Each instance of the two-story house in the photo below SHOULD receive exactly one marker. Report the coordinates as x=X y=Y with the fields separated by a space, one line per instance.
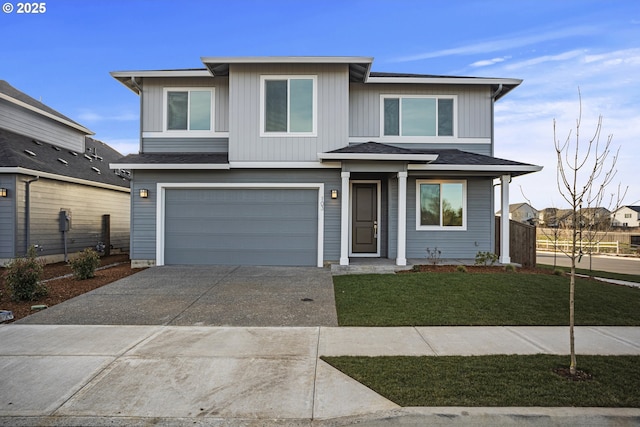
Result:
x=626 y=216
x=56 y=189
x=313 y=160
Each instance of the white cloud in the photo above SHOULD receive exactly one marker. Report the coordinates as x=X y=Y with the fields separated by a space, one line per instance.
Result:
x=90 y=116
x=488 y=62
x=124 y=146
x=545 y=58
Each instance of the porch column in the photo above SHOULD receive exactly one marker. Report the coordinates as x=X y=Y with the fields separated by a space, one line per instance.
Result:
x=504 y=219
x=402 y=219
x=344 y=220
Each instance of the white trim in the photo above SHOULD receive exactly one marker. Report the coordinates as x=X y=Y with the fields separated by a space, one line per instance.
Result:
x=443 y=139
x=47 y=175
x=378 y=156
x=476 y=168
x=170 y=166
x=420 y=227
x=285 y=165
x=186 y=133
x=191 y=134
x=203 y=72
x=161 y=204
x=46 y=114
x=379 y=208
x=401 y=256
x=504 y=220
x=285 y=59
x=344 y=218
x=418 y=140
x=263 y=100
x=445 y=80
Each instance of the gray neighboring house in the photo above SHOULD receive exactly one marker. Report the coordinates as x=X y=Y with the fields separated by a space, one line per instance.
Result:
x=311 y=161
x=49 y=165
x=522 y=212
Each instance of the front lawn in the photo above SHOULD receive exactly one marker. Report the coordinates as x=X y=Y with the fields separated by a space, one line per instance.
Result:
x=496 y=380
x=480 y=299
x=596 y=273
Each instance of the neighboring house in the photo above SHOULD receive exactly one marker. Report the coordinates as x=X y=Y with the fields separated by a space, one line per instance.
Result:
x=626 y=216
x=554 y=217
x=49 y=165
x=522 y=212
x=313 y=160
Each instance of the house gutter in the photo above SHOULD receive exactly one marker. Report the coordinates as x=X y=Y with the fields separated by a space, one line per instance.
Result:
x=135 y=84
x=28 y=213
x=493 y=119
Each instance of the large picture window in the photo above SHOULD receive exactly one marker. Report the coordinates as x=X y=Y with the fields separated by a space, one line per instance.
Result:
x=417 y=116
x=188 y=109
x=441 y=205
x=288 y=105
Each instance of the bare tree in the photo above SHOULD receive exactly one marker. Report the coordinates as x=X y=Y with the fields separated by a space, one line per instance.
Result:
x=583 y=173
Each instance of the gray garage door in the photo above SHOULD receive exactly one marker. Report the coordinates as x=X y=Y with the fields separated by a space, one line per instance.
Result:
x=241 y=226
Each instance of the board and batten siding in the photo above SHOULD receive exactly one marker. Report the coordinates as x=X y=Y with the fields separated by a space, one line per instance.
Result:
x=143 y=223
x=25 y=122
x=473 y=112
x=479 y=235
x=8 y=217
x=245 y=142
x=87 y=205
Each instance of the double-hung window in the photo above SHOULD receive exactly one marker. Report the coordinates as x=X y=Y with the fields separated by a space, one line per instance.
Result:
x=417 y=116
x=288 y=105
x=441 y=205
x=188 y=109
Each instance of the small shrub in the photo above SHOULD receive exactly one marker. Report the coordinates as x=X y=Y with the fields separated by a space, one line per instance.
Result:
x=84 y=266
x=461 y=269
x=23 y=275
x=558 y=272
x=510 y=268
x=433 y=255
x=486 y=258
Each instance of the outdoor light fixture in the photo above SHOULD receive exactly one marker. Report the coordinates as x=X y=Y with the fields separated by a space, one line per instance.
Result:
x=144 y=193
x=334 y=194
x=3 y=192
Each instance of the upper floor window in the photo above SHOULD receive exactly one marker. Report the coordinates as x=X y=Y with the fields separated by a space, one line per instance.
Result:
x=418 y=115
x=288 y=106
x=188 y=109
x=441 y=205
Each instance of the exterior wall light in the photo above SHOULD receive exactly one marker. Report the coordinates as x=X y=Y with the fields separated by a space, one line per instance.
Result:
x=3 y=192
x=144 y=193
x=334 y=194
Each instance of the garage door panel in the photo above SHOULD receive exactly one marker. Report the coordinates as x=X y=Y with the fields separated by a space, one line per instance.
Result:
x=241 y=226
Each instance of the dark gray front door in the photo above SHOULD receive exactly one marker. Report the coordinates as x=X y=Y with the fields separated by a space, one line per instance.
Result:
x=364 y=216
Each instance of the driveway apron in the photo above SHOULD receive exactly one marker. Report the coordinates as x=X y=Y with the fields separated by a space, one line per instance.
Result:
x=204 y=296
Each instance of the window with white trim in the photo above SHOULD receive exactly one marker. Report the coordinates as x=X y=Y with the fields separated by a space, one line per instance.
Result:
x=441 y=205
x=188 y=109
x=417 y=116
x=288 y=105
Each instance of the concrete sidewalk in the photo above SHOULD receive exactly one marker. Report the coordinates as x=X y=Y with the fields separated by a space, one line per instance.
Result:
x=253 y=376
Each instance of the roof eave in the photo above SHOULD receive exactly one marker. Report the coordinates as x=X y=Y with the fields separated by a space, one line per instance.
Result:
x=378 y=156
x=127 y=77
x=170 y=166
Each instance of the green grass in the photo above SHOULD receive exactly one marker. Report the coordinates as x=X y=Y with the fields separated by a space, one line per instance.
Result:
x=436 y=299
x=596 y=273
x=496 y=380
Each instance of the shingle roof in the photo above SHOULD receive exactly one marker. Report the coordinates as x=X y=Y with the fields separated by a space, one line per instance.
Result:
x=174 y=158
x=14 y=93
x=24 y=152
x=445 y=156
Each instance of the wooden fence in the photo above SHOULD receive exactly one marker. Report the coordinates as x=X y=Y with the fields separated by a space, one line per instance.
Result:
x=522 y=243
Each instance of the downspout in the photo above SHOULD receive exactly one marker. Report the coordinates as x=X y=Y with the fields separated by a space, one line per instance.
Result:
x=493 y=101
x=139 y=88
x=28 y=213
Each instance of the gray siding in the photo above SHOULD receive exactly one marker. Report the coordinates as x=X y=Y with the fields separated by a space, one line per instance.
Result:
x=33 y=125
x=185 y=145
x=245 y=143
x=87 y=205
x=8 y=217
x=455 y=244
x=152 y=100
x=143 y=223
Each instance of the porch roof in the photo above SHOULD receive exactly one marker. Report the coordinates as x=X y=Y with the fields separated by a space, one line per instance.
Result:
x=445 y=160
x=173 y=161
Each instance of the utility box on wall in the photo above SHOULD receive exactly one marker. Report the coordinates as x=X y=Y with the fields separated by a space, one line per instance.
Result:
x=64 y=219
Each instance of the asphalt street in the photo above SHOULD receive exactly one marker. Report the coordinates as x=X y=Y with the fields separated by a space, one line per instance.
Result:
x=614 y=264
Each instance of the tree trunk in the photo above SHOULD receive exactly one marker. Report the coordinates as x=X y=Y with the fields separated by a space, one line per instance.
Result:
x=572 y=345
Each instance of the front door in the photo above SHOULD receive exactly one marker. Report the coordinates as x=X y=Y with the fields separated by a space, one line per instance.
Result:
x=364 y=218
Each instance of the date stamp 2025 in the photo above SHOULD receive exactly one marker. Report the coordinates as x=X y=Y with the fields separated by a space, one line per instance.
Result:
x=33 y=8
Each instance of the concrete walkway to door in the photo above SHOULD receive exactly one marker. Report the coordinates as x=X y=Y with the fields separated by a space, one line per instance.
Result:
x=204 y=296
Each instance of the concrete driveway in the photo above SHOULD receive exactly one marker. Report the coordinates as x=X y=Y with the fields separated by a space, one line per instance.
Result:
x=204 y=296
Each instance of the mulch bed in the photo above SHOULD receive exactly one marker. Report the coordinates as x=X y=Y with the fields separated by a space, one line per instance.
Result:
x=62 y=289
x=441 y=268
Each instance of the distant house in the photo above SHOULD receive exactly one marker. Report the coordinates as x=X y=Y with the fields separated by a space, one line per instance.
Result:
x=54 y=177
x=626 y=216
x=522 y=212
x=554 y=217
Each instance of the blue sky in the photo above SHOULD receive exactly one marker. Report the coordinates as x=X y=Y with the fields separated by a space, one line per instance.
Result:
x=64 y=57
